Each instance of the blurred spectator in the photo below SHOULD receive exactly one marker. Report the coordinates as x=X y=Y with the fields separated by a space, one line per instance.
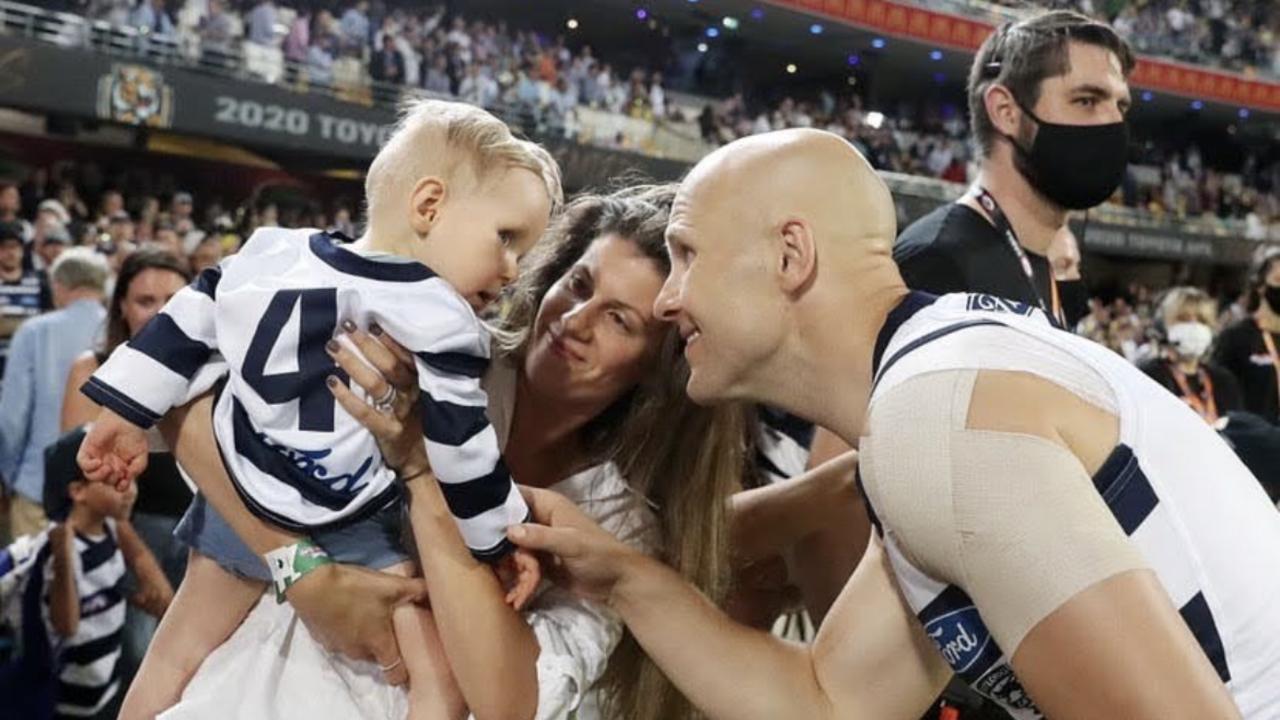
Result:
x=151 y=18
x=180 y=208
x=320 y=61
x=120 y=228
x=388 y=64
x=207 y=253
x=261 y=23
x=24 y=292
x=1186 y=318
x=355 y=26
x=1250 y=349
x=11 y=206
x=40 y=357
x=50 y=239
x=217 y=32
x=166 y=238
x=110 y=204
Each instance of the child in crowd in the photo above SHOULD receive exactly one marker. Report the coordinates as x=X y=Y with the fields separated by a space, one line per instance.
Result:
x=63 y=590
x=454 y=200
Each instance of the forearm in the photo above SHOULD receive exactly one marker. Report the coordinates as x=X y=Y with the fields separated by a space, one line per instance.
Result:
x=824 y=560
x=492 y=651
x=767 y=521
x=64 y=599
x=726 y=669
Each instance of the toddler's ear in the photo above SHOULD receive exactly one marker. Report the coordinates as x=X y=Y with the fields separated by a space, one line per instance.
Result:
x=428 y=196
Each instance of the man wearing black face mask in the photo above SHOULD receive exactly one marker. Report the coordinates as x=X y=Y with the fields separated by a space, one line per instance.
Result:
x=1047 y=103
x=1250 y=348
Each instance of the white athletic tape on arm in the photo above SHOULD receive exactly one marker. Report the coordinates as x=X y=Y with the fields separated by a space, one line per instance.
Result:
x=1012 y=519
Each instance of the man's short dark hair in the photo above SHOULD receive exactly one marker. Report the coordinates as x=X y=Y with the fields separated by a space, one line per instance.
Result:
x=1020 y=55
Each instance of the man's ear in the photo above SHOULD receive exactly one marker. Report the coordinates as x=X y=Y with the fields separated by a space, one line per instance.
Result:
x=428 y=197
x=1002 y=109
x=798 y=260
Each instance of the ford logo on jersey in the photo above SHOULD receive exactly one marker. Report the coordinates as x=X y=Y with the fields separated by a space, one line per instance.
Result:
x=960 y=635
x=309 y=462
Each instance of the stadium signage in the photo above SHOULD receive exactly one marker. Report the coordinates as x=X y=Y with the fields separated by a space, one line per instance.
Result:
x=280 y=119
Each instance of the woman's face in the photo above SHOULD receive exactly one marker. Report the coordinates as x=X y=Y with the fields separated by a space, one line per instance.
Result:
x=148 y=292
x=595 y=334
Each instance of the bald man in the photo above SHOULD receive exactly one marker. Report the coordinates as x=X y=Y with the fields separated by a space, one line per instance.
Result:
x=1052 y=526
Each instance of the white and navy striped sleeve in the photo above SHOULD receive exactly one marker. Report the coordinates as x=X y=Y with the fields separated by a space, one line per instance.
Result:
x=150 y=374
x=452 y=354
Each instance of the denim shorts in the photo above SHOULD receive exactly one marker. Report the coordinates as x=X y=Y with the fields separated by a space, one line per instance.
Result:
x=373 y=542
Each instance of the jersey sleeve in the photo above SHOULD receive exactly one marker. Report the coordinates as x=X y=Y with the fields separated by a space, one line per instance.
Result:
x=150 y=374
x=451 y=351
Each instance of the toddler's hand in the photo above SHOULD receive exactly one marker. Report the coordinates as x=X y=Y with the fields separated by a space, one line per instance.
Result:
x=114 y=451
x=519 y=572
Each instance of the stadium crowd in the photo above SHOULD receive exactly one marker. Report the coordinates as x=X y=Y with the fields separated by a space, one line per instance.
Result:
x=543 y=81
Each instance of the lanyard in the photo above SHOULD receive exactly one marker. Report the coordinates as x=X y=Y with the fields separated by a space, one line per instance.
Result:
x=1003 y=227
x=1271 y=350
x=1205 y=404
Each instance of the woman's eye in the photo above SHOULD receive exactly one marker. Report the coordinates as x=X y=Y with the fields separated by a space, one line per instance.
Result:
x=619 y=320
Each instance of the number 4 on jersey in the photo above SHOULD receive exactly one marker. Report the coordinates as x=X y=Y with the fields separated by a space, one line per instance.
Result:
x=318 y=318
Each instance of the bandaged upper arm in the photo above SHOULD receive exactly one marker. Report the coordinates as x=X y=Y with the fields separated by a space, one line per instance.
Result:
x=1013 y=519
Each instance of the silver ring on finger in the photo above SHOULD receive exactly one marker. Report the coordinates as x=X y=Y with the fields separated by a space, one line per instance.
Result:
x=387 y=402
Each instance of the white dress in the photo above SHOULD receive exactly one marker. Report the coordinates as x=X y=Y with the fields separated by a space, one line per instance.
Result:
x=271 y=667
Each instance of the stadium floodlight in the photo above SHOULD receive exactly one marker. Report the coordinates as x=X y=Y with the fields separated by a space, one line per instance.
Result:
x=815 y=29
x=572 y=24
x=878 y=43
x=713 y=32
x=875 y=119
x=702 y=47
x=791 y=68
x=642 y=14
x=1197 y=104
x=853 y=59
x=1147 y=96
x=1243 y=113
x=935 y=55
x=730 y=23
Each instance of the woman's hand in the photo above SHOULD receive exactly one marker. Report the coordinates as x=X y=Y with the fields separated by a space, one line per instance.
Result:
x=381 y=367
x=348 y=610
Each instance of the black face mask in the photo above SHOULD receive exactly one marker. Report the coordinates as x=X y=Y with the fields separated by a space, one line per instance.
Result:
x=1272 y=296
x=1075 y=166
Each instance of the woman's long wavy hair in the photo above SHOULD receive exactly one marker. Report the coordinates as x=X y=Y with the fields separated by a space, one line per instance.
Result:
x=684 y=459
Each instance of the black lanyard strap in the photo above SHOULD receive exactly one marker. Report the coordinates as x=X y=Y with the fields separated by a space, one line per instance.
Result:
x=1003 y=227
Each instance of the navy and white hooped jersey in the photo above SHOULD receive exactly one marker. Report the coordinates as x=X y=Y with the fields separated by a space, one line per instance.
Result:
x=297 y=458
x=782 y=445
x=1195 y=513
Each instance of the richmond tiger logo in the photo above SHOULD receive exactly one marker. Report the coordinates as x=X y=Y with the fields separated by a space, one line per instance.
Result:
x=135 y=95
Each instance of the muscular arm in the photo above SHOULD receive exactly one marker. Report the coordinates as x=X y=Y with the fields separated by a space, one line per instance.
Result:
x=870 y=659
x=1117 y=648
